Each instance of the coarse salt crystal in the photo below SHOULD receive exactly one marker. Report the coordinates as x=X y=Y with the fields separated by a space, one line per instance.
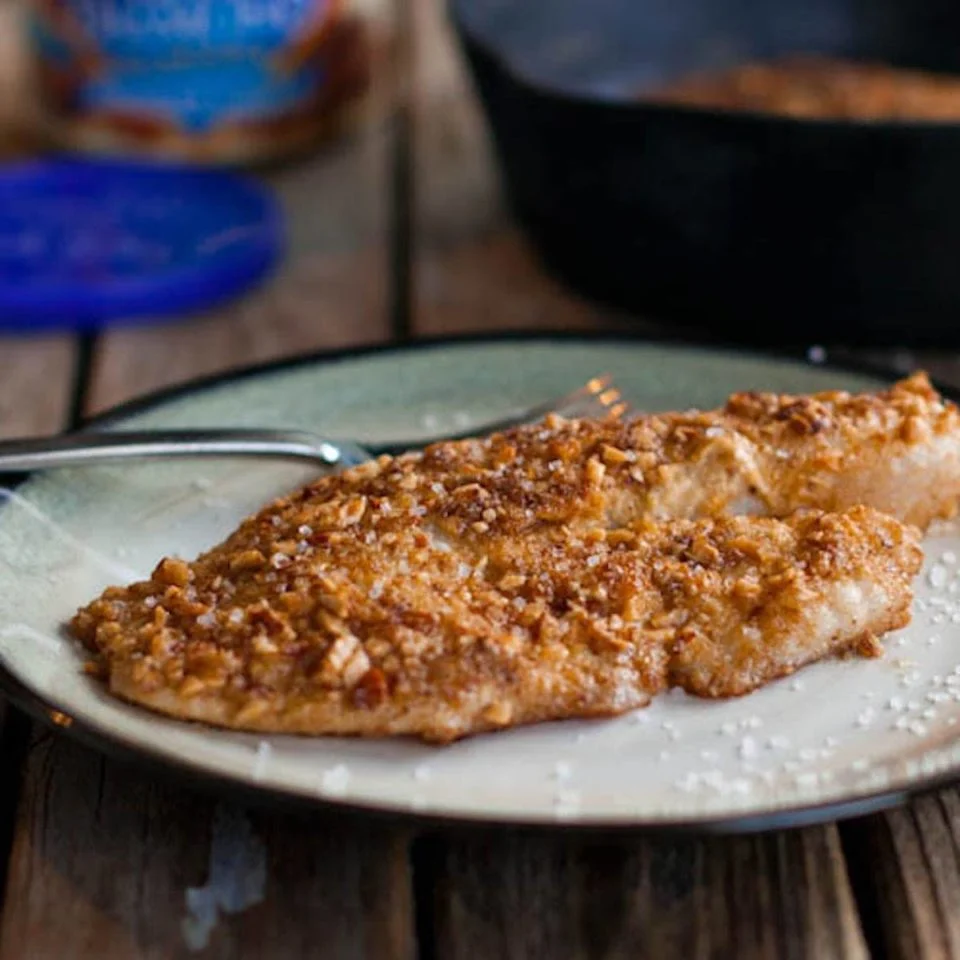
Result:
x=335 y=780
x=937 y=577
x=264 y=752
x=562 y=770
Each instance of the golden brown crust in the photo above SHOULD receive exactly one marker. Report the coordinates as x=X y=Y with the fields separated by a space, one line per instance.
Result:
x=534 y=576
x=531 y=576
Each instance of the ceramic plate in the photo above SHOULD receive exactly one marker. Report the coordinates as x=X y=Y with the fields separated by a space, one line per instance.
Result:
x=839 y=737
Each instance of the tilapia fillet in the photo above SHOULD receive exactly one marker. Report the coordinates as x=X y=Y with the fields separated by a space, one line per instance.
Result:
x=560 y=570
x=768 y=454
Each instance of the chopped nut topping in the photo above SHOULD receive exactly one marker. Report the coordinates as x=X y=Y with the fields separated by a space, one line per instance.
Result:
x=571 y=568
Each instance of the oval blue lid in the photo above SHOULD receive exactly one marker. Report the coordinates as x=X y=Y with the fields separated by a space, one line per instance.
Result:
x=84 y=244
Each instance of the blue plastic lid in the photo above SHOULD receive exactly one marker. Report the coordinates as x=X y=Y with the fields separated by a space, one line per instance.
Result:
x=86 y=244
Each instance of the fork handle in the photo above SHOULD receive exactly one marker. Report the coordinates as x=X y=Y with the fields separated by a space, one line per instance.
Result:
x=85 y=449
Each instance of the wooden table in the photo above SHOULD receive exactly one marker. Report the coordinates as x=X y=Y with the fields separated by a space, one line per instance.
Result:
x=399 y=231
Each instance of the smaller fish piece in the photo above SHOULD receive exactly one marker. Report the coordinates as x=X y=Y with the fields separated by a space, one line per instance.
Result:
x=412 y=634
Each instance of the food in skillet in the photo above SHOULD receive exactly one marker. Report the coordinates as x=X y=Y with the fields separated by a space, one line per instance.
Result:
x=819 y=87
x=567 y=569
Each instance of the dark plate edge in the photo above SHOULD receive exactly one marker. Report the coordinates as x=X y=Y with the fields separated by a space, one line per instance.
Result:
x=789 y=818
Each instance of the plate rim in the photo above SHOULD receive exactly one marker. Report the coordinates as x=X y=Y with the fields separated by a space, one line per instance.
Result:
x=184 y=771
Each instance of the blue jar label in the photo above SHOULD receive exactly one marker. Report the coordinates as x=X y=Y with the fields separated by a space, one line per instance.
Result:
x=183 y=65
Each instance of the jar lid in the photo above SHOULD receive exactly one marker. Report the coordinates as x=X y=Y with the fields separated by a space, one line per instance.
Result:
x=87 y=244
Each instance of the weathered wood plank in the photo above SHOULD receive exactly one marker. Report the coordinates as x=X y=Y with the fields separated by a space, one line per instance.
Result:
x=110 y=862
x=35 y=383
x=520 y=896
x=906 y=864
x=114 y=864
x=471 y=269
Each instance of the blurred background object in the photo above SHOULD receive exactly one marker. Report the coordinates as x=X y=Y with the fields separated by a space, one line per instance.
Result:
x=19 y=100
x=220 y=81
x=760 y=216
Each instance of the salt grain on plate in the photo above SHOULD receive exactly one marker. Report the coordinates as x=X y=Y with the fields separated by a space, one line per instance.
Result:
x=562 y=770
x=566 y=802
x=335 y=780
x=264 y=752
x=866 y=717
x=937 y=577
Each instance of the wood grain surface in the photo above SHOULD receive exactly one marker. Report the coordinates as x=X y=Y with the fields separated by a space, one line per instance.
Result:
x=402 y=225
x=525 y=896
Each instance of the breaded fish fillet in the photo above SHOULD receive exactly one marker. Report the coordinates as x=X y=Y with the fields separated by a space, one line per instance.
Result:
x=898 y=451
x=474 y=588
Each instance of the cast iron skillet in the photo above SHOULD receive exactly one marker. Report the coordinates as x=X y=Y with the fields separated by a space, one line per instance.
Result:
x=755 y=227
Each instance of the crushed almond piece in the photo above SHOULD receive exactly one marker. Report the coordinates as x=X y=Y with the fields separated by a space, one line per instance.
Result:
x=569 y=568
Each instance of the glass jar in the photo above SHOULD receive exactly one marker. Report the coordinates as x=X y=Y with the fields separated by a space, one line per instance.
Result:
x=207 y=81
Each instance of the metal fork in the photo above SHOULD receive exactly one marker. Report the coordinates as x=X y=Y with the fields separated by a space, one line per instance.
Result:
x=595 y=398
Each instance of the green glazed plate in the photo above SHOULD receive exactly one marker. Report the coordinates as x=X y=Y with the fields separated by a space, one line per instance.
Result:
x=839 y=738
